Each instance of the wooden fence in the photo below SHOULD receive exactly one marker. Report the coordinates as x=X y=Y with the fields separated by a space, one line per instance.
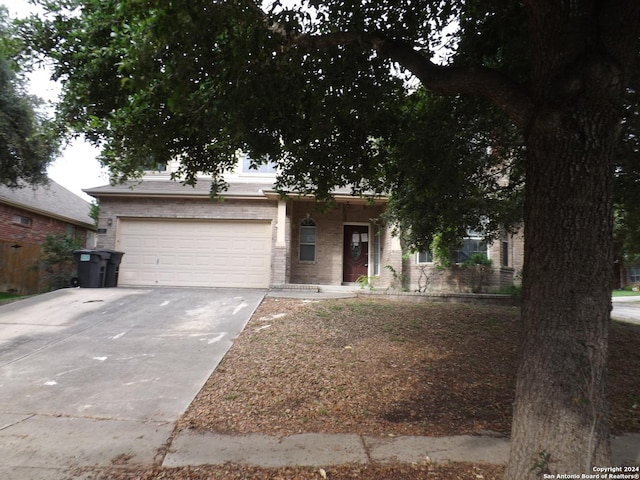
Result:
x=18 y=268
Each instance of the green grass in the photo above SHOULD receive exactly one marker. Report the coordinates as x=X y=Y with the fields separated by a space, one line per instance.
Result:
x=8 y=296
x=624 y=293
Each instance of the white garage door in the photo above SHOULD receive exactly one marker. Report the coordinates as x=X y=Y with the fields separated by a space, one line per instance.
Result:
x=193 y=253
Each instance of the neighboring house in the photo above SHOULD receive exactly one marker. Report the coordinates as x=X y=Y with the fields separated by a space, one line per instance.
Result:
x=175 y=235
x=27 y=216
x=626 y=275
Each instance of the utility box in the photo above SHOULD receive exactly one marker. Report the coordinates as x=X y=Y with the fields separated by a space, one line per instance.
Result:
x=113 y=267
x=92 y=267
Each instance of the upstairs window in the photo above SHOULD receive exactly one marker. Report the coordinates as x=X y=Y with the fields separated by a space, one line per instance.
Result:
x=267 y=168
x=307 y=240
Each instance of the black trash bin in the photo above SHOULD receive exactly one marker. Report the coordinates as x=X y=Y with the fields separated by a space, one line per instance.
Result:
x=92 y=267
x=113 y=267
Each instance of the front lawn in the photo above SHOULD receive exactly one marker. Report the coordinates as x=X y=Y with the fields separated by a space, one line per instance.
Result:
x=379 y=367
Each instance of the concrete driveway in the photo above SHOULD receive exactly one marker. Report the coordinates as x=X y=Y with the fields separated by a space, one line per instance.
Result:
x=99 y=376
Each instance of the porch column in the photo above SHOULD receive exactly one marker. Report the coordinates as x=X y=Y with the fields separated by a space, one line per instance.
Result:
x=282 y=224
x=279 y=266
x=394 y=258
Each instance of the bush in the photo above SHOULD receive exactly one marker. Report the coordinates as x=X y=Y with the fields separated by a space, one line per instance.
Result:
x=478 y=259
x=57 y=261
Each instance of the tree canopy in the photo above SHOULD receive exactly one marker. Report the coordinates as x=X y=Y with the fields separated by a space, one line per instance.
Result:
x=151 y=82
x=340 y=93
x=26 y=146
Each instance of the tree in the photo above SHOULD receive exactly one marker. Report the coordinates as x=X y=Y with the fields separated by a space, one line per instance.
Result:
x=323 y=88
x=25 y=146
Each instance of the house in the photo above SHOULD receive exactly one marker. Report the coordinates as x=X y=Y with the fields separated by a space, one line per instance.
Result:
x=176 y=235
x=27 y=215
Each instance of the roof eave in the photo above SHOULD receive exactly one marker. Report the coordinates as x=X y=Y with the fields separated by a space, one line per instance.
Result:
x=338 y=197
x=235 y=196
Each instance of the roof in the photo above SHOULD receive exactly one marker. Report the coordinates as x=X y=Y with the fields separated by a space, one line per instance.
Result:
x=163 y=188
x=238 y=188
x=51 y=200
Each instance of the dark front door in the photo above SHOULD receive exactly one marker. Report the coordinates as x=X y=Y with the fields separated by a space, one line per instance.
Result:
x=356 y=252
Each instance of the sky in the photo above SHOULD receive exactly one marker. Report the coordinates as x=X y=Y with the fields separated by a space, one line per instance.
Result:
x=77 y=167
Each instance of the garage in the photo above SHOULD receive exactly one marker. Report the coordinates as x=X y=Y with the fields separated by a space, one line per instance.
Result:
x=194 y=253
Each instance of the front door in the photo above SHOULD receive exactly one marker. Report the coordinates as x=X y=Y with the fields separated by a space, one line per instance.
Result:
x=356 y=252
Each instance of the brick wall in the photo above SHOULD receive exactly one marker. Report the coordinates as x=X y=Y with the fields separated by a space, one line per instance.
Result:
x=460 y=279
x=37 y=231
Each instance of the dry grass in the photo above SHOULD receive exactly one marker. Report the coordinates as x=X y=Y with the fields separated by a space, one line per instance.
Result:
x=341 y=472
x=371 y=367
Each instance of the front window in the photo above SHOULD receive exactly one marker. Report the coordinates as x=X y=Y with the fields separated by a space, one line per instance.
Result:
x=470 y=245
x=634 y=274
x=425 y=257
x=307 y=240
x=504 y=252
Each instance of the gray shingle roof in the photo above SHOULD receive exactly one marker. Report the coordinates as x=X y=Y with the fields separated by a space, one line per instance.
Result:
x=52 y=200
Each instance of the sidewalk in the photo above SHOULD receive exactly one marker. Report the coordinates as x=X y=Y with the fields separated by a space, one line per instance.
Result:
x=311 y=449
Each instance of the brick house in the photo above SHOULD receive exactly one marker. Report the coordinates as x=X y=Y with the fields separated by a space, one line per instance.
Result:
x=27 y=216
x=176 y=235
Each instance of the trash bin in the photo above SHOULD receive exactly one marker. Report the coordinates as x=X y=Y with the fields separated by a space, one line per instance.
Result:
x=92 y=267
x=113 y=267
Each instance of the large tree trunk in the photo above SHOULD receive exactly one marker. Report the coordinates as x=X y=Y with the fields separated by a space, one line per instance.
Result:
x=560 y=417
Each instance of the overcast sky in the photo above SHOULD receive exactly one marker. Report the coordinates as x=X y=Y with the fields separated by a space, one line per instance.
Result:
x=77 y=168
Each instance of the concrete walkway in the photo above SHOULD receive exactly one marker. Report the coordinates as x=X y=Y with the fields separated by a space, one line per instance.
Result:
x=321 y=450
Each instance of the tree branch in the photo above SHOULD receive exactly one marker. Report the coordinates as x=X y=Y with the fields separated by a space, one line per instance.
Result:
x=496 y=87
